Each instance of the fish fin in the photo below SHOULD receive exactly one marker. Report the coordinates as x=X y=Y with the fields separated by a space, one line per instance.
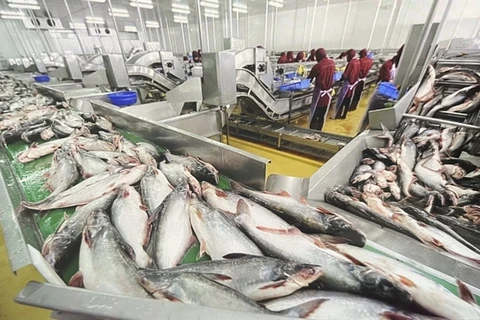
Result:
x=437 y=242
x=202 y=250
x=237 y=256
x=147 y=235
x=34 y=145
x=291 y=230
x=128 y=250
x=304 y=310
x=303 y=200
x=218 y=277
x=353 y=259
x=221 y=193
x=143 y=208
x=318 y=242
x=46 y=175
x=153 y=216
x=392 y=315
x=76 y=280
x=406 y=281
x=465 y=293
x=283 y=193
x=326 y=238
x=274 y=285
x=199 y=214
x=324 y=211
x=87 y=237
x=242 y=207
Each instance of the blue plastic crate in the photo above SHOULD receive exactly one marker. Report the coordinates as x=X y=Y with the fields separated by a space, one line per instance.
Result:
x=337 y=75
x=300 y=85
x=388 y=90
x=41 y=78
x=290 y=75
x=123 y=98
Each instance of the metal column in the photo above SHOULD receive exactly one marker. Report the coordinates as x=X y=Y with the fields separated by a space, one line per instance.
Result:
x=311 y=26
x=374 y=23
x=346 y=23
x=161 y=28
x=390 y=19
x=96 y=26
x=190 y=47
x=266 y=22
x=183 y=39
x=230 y=18
x=200 y=31
x=306 y=22
x=144 y=30
x=214 y=35
x=116 y=30
x=13 y=39
x=75 y=28
x=324 y=20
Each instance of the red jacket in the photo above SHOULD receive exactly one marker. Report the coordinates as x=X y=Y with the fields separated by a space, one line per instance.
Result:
x=365 y=65
x=385 y=71
x=323 y=73
x=352 y=74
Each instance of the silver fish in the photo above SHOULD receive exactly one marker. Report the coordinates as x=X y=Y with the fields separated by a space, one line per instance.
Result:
x=33 y=133
x=338 y=274
x=218 y=235
x=145 y=156
x=60 y=245
x=124 y=145
x=130 y=218
x=469 y=106
x=36 y=150
x=428 y=170
x=305 y=217
x=105 y=264
x=197 y=289
x=454 y=99
x=425 y=91
x=408 y=153
x=457 y=142
x=64 y=173
x=155 y=188
x=93 y=144
x=89 y=190
x=341 y=305
x=73 y=119
x=386 y=135
x=47 y=134
x=104 y=124
x=259 y=278
x=446 y=138
x=177 y=174
x=425 y=292
x=169 y=248
x=61 y=129
x=89 y=164
x=456 y=172
x=431 y=104
x=200 y=169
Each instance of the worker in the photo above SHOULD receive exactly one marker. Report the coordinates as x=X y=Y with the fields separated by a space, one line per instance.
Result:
x=195 y=56
x=365 y=66
x=290 y=57
x=283 y=58
x=342 y=55
x=300 y=57
x=199 y=55
x=350 y=79
x=312 y=55
x=387 y=71
x=322 y=72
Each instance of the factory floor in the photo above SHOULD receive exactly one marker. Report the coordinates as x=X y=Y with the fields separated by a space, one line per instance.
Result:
x=282 y=162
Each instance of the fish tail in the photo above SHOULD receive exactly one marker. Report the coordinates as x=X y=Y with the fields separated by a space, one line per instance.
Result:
x=304 y=310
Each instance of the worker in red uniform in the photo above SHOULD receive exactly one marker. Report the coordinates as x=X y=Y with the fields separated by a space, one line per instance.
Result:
x=350 y=79
x=290 y=57
x=322 y=72
x=365 y=66
x=300 y=57
x=312 y=55
x=283 y=58
x=387 y=71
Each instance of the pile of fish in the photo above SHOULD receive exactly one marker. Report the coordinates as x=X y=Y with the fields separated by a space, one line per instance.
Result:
x=431 y=97
x=139 y=210
x=417 y=185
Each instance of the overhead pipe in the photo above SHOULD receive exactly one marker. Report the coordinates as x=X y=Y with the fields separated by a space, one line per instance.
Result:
x=199 y=21
x=346 y=23
x=12 y=38
x=207 y=36
x=266 y=24
x=238 y=26
x=96 y=27
x=144 y=30
x=214 y=35
x=312 y=24
x=117 y=31
x=190 y=47
x=272 y=27
x=183 y=39
x=374 y=23
x=169 y=34
x=306 y=22
x=230 y=18
x=25 y=44
x=390 y=19
x=161 y=28
x=275 y=28
x=403 y=23
x=75 y=29
x=51 y=20
x=324 y=20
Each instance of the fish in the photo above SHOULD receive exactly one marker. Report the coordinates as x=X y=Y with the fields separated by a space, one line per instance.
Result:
x=177 y=174
x=89 y=190
x=130 y=218
x=425 y=292
x=429 y=171
x=395 y=190
x=431 y=104
x=105 y=263
x=154 y=188
x=73 y=119
x=33 y=133
x=463 y=163
x=60 y=129
x=408 y=153
x=426 y=136
x=36 y=150
x=386 y=135
x=425 y=91
x=303 y=216
x=341 y=305
x=469 y=106
x=47 y=134
x=446 y=139
x=88 y=163
x=217 y=234
x=257 y=277
x=378 y=166
x=104 y=124
x=93 y=144
x=169 y=247
x=64 y=173
x=454 y=99
x=362 y=173
x=145 y=155
x=200 y=169
x=456 y=172
x=457 y=142
x=460 y=75
x=61 y=244
x=199 y=289
x=338 y=274
x=232 y=205
x=124 y=145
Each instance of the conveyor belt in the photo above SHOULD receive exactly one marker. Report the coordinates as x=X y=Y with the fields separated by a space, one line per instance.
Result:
x=306 y=141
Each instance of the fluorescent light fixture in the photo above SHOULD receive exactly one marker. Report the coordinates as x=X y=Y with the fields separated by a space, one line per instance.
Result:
x=77 y=26
x=239 y=10
x=240 y=5
x=12 y=13
x=212 y=11
x=180 y=17
x=178 y=21
x=152 y=24
x=23 y=6
x=211 y=15
x=176 y=10
x=141 y=5
x=12 y=17
x=180 y=6
x=130 y=29
x=209 y=4
x=275 y=4
x=122 y=13
x=100 y=1
x=94 y=20
x=32 y=2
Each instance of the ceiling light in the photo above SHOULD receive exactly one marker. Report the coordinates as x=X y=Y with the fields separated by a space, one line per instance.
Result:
x=141 y=5
x=275 y=4
x=32 y=2
x=212 y=11
x=180 y=6
x=176 y=10
x=211 y=15
x=209 y=4
x=12 y=17
x=100 y=1
x=241 y=5
x=94 y=20
x=23 y=6
x=239 y=10
x=180 y=21
x=130 y=29
x=12 y=13
x=116 y=12
x=77 y=26
x=152 y=24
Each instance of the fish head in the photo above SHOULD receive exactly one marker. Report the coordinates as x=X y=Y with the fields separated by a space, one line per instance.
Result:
x=54 y=246
x=97 y=221
x=207 y=186
x=209 y=172
x=459 y=173
x=159 y=284
x=295 y=273
x=125 y=190
x=345 y=229
x=379 y=285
